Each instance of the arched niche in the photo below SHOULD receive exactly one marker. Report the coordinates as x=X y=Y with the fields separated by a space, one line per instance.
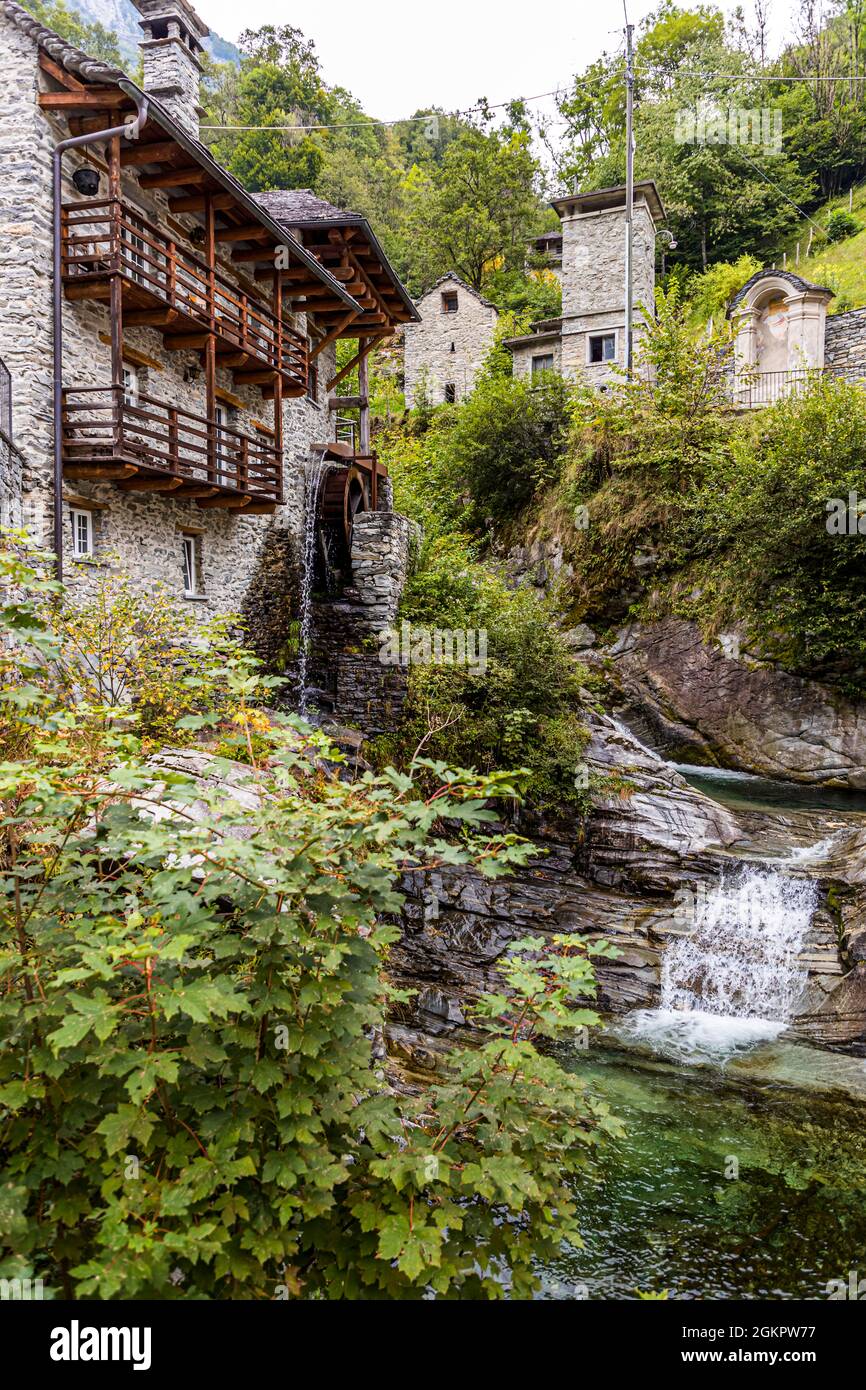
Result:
x=779 y=321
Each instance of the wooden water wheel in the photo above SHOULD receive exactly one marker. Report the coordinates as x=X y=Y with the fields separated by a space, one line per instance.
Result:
x=345 y=493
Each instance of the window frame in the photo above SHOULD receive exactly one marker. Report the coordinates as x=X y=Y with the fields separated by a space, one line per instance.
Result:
x=189 y=561
x=78 y=514
x=132 y=388
x=450 y=386
x=548 y=358
x=450 y=302
x=601 y=336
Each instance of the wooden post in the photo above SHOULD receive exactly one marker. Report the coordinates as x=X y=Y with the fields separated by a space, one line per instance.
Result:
x=210 y=345
x=364 y=410
x=171 y=286
x=278 y=381
x=173 y=439
x=116 y=291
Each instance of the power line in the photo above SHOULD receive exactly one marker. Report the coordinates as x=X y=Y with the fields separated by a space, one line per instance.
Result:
x=419 y=120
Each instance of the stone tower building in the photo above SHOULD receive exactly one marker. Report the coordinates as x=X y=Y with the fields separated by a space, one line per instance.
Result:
x=588 y=340
x=444 y=352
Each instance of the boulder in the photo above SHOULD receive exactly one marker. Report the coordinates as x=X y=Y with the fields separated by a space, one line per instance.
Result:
x=718 y=704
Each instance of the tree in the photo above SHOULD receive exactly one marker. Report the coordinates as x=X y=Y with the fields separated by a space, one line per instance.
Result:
x=477 y=210
x=93 y=38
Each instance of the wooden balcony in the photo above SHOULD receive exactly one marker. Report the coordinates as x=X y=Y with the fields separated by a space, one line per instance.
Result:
x=169 y=288
x=146 y=445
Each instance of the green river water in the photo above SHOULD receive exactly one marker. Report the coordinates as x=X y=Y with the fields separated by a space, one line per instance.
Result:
x=663 y=1214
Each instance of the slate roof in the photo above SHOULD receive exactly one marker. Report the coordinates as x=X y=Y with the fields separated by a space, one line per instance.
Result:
x=452 y=275
x=796 y=281
x=301 y=207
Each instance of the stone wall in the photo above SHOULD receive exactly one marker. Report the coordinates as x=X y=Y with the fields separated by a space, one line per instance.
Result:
x=593 y=284
x=351 y=680
x=845 y=342
x=447 y=348
x=523 y=354
x=247 y=563
x=11 y=478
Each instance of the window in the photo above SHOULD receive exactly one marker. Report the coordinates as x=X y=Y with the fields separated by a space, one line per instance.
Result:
x=450 y=392
x=602 y=347
x=130 y=384
x=190 y=566
x=82 y=533
x=450 y=303
x=544 y=363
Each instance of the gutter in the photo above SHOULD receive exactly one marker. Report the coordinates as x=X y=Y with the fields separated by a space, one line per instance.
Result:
x=130 y=130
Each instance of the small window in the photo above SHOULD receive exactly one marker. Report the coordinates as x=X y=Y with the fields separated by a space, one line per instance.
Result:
x=602 y=347
x=450 y=393
x=543 y=363
x=82 y=533
x=450 y=303
x=190 y=566
x=130 y=384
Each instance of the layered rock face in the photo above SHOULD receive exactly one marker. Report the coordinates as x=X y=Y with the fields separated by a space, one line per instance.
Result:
x=620 y=877
x=717 y=704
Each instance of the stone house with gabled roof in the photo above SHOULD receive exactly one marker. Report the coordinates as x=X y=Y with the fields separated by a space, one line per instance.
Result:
x=445 y=349
x=195 y=332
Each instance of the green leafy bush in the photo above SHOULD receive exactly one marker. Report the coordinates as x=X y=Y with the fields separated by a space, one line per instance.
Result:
x=522 y=708
x=762 y=525
x=191 y=986
x=841 y=224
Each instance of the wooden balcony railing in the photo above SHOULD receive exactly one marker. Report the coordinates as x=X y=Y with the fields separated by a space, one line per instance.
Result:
x=103 y=426
x=106 y=238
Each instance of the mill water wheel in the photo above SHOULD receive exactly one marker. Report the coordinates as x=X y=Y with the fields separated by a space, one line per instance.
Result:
x=344 y=495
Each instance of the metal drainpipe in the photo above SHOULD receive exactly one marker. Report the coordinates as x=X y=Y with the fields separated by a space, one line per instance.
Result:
x=131 y=129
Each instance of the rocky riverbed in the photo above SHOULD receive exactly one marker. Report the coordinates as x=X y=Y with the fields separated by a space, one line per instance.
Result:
x=628 y=874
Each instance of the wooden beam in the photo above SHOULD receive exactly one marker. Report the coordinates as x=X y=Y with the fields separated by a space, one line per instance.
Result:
x=247 y=229
x=255 y=253
x=101 y=98
x=255 y=376
x=66 y=79
x=151 y=485
x=351 y=365
x=196 y=490
x=210 y=343
x=153 y=153
x=225 y=501
x=174 y=178
x=107 y=472
x=150 y=318
x=195 y=202
x=333 y=335
x=178 y=341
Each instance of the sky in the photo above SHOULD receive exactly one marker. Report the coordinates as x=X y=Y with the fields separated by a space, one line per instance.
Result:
x=397 y=56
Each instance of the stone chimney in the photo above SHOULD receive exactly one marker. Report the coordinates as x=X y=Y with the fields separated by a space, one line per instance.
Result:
x=171 y=50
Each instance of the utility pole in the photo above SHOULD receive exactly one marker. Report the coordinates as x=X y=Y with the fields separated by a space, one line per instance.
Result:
x=629 y=187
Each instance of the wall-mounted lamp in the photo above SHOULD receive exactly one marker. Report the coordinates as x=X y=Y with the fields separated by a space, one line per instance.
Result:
x=86 y=180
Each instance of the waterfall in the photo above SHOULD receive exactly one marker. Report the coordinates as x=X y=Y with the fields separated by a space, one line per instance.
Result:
x=741 y=957
x=734 y=977
x=314 y=477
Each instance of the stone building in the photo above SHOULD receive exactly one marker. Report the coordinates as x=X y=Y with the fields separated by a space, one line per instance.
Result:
x=198 y=332
x=445 y=349
x=588 y=341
